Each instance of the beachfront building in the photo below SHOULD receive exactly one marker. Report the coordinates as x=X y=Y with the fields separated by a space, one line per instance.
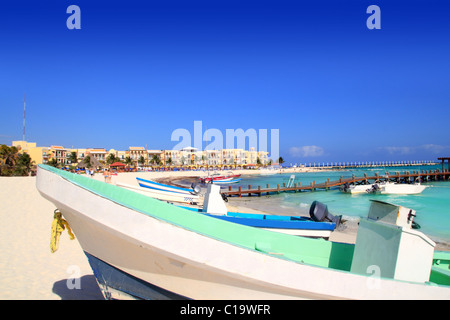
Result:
x=187 y=156
x=98 y=153
x=37 y=154
x=252 y=157
x=59 y=153
x=81 y=153
x=135 y=153
x=213 y=157
x=172 y=157
x=155 y=157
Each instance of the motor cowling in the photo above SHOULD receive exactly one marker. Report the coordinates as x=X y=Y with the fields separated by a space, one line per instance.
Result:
x=319 y=213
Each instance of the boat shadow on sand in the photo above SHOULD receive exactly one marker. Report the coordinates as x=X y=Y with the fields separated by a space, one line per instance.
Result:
x=88 y=289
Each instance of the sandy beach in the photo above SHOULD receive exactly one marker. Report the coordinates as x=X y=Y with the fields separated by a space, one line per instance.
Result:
x=28 y=270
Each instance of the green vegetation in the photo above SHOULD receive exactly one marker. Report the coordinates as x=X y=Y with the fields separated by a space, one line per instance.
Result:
x=13 y=163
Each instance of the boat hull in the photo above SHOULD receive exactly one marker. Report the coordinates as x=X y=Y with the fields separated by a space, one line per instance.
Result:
x=389 y=188
x=296 y=226
x=182 y=258
x=164 y=195
x=392 y=188
x=159 y=186
x=227 y=181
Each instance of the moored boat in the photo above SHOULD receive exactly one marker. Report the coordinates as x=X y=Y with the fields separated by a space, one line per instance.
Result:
x=216 y=177
x=294 y=225
x=320 y=225
x=139 y=247
x=160 y=186
x=385 y=188
x=227 y=181
x=170 y=196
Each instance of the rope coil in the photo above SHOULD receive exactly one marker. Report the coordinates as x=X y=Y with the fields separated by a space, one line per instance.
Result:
x=58 y=226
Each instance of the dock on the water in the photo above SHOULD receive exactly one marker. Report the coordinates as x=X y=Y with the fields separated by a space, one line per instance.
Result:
x=405 y=177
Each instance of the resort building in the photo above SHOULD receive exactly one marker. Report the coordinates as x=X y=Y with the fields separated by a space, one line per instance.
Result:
x=97 y=153
x=59 y=153
x=188 y=156
x=172 y=157
x=155 y=157
x=135 y=153
x=213 y=157
x=37 y=154
x=81 y=153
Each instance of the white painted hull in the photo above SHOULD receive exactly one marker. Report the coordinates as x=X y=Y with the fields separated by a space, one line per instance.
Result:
x=398 y=188
x=164 y=195
x=227 y=181
x=197 y=266
x=159 y=186
x=388 y=188
x=303 y=232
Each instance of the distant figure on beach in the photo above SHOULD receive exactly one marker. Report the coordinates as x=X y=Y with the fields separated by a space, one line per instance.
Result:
x=107 y=176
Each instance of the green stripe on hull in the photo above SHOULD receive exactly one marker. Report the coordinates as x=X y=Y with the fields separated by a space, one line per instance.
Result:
x=305 y=250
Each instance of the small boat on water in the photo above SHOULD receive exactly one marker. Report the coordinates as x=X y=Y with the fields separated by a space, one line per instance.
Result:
x=160 y=186
x=217 y=177
x=320 y=225
x=181 y=197
x=227 y=181
x=294 y=225
x=385 y=188
x=142 y=248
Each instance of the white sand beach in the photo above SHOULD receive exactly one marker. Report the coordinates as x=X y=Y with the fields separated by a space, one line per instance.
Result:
x=28 y=270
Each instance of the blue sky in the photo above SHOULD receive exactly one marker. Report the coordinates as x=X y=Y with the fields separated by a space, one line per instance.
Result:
x=138 y=70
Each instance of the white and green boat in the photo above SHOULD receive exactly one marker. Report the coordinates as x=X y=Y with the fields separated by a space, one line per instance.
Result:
x=139 y=247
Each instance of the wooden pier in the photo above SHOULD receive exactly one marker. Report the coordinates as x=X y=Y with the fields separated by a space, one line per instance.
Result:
x=406 y=177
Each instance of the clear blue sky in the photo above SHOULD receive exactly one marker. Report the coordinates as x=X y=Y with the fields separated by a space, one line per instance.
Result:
x=137 y=70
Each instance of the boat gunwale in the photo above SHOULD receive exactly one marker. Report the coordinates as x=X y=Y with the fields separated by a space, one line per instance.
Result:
x=283 y=240
x=65 y=175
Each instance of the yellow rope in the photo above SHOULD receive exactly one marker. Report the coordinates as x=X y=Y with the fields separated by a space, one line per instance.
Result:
x=58 y=226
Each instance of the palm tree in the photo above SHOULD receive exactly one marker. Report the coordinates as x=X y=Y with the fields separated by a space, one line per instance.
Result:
x=73 y=157
x=280 y=160
x=155 y=159
x=23 y=165
x=141 y=160
x=8 y=159
x=111 y=158
x=53 y=162
x=128 y=161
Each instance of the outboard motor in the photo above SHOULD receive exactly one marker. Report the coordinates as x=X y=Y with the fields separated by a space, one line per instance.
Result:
x=345 y=187
x=319 y=213
x=224 y=197
x=196 y=189
x=375 y=188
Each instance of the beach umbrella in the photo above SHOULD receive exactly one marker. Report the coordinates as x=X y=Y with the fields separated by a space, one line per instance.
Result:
x=117 y=164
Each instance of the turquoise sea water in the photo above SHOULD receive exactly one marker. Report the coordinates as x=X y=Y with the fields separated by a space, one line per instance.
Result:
x=432 y=206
